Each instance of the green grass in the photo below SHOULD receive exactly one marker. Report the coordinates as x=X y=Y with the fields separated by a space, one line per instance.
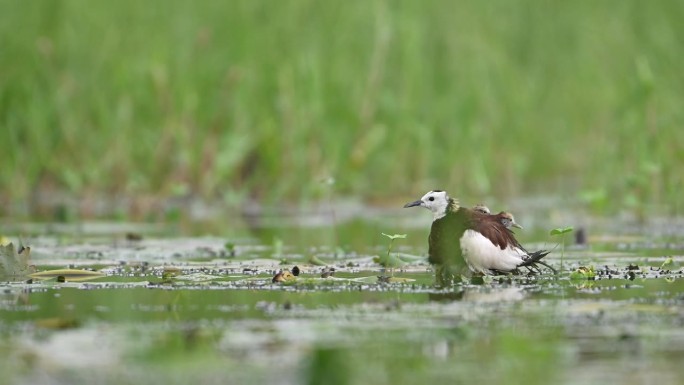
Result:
x=266 y=98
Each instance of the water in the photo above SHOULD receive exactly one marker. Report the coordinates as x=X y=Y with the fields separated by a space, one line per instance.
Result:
x=193 y=309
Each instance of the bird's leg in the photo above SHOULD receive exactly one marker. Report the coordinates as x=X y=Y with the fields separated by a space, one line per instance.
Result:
x=545 y=264
x=444 y=276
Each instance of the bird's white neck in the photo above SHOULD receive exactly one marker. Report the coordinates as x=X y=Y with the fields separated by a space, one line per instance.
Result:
x=441 y=210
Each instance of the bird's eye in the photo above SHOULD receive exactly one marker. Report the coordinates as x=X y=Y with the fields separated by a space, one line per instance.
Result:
x=431 y=199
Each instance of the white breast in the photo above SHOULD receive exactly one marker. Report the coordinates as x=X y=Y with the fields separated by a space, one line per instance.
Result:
x=482 y=256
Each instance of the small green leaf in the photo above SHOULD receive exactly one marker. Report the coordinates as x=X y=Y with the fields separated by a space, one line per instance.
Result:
x=561 y=230
x=395 y=236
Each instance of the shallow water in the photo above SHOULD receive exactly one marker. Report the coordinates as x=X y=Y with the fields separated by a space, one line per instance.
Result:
x=176 y=309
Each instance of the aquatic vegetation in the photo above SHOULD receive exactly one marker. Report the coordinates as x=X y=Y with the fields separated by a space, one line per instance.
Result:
x=14 y=263
x=212 y=319
x=670 y=264
x=390 y=261
x=230 y=248
x=64 y=275
x=174 y=310
x=561 y=231
x=209 y=111
x=583 y=273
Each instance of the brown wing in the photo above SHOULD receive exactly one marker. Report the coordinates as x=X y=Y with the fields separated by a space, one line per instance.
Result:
x=490 y=227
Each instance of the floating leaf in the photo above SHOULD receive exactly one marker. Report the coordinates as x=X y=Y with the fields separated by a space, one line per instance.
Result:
x=367 y=279
x=395 y=236
x=583 y=273
x=383 y=279
x=561 y=230
x=397 y=280
x=73 y=275
x=198 y=277
x=14 y=264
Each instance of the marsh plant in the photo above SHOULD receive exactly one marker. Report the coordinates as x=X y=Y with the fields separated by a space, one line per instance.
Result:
x=265 y=85
x=561 y=231
x=389 y=261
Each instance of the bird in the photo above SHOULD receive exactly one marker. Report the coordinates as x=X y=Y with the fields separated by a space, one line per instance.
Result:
x=508 y=220
x=460 y=235
x=481 y=207
x=505 y=217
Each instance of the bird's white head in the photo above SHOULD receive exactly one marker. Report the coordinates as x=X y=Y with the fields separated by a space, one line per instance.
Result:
x=436 y=201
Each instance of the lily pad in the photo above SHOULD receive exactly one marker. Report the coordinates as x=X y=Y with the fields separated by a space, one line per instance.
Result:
x=73 y=275
x=14 y=264
x=399 y=280
x=198 y=277
x=368 y=279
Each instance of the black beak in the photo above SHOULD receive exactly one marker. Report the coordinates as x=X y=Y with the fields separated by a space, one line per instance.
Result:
x=413 y=204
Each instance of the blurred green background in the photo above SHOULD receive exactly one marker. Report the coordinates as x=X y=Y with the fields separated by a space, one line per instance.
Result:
x=262 y=100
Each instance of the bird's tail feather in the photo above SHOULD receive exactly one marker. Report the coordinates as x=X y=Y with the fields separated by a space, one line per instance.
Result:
x=535 y=258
